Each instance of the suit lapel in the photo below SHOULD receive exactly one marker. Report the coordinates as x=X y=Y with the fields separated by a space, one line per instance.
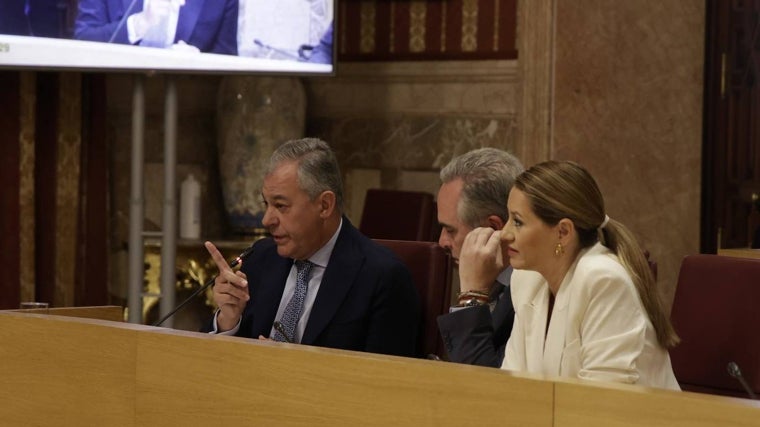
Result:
x=342 y=268
x=124 y=6
x=555 y=336
x=534 y=339
x=267 y=296
x=188 y=16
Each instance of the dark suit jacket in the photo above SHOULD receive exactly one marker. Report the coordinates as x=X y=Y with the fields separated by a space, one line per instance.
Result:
x=366 y=301
x=477 y=336
x=209 y=25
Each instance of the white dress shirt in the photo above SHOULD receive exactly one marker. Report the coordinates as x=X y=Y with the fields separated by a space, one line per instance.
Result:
x=171 y=28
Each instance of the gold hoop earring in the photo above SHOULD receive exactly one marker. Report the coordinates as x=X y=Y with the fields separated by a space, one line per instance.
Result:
x=559 y=250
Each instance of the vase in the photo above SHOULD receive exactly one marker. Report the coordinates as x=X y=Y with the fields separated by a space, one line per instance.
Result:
x=254 y=116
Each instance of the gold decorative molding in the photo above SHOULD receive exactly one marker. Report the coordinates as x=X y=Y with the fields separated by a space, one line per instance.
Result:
x=496 y=22
x=367 y=27
x=469 y=25
x=443 y=26
x=417 y=19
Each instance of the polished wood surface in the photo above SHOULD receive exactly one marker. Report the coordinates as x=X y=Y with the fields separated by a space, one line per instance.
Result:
x=611 y=405
x=69 y=371
x=740 y=252
x=113 y=313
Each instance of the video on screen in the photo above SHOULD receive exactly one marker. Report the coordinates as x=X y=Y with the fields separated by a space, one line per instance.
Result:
x=182 y=35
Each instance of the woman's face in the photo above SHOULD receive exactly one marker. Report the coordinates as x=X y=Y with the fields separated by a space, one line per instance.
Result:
x=529 y=242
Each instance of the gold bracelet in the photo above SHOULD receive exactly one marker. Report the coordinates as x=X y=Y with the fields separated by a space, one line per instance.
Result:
x=474 y=294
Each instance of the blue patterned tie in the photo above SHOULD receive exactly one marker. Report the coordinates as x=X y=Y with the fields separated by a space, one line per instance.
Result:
x=293 y=310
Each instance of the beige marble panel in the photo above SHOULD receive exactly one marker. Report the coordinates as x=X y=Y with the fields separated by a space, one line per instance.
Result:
x=356 y=183
x=425 y=181
x=535 y=44
x=628 y=105
x=440 y=87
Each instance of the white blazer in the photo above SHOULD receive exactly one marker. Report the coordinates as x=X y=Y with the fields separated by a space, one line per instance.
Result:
x=599 y=328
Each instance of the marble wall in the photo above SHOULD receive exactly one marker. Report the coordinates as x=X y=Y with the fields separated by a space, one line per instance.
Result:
x=399 y=123
x=622 y=96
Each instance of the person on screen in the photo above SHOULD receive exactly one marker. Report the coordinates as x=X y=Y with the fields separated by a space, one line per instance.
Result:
x=208 y=26
x=316 y=280
x=13 y=19
x=323 y=52
x=39 y=18
x=472 y=194
x=585 y=300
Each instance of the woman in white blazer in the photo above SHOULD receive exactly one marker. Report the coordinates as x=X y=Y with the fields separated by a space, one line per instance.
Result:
x=585 y=300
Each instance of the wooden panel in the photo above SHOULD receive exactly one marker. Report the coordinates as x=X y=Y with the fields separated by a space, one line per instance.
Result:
x=740 y=252
x=45 y=184
x=183 y=380
x=69 y=371
x=66 y=371
x=108 y=312
x=381 y=30
x=609 y=405
x=9 y=189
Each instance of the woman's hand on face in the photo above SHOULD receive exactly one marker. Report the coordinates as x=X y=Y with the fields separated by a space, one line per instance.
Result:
x=480 y=260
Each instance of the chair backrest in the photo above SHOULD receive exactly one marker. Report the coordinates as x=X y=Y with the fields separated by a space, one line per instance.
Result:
x=431 y=269
x=716 y=312
x=399 y=215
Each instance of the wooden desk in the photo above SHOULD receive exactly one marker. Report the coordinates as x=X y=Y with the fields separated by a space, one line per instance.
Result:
x=740 y=252
x=92 y=372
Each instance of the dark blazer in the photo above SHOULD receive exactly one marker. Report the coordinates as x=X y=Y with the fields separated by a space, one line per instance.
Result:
x=366 y=301
x=209 y=25
x=476 y=335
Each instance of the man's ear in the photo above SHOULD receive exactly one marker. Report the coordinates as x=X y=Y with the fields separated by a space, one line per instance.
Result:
x=327 y=201
x=494 y=222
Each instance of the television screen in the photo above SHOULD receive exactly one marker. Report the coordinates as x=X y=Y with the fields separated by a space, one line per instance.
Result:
x=215 y=36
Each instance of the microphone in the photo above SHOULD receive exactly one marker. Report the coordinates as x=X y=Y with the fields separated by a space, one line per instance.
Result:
x=734 y=371
x=283 y=52
x=205 y=286
x=122 y=21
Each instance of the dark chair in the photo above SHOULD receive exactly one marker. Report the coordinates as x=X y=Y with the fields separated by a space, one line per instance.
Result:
x=431 y=269
x=399 y=215
x=716 y=312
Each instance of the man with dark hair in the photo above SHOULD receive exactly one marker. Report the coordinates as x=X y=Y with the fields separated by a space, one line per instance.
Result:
x=473 y=194
x=316 y=280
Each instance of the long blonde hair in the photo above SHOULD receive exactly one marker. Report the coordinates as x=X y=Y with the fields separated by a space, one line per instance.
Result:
x=558 y=190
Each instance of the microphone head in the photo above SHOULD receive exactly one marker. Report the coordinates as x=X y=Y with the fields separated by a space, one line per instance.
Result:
x=242 y=256
x=733 y=369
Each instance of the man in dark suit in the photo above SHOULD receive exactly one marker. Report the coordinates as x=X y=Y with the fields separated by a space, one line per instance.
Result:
x=316 y=280
x=473 y=193
x=208 y=25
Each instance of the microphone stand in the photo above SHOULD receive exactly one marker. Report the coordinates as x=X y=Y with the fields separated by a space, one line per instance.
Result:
x=205 y=286
x=122 y=21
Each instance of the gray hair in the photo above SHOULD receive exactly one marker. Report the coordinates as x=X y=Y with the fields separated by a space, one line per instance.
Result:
x=318 y=169
x=487 y=175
